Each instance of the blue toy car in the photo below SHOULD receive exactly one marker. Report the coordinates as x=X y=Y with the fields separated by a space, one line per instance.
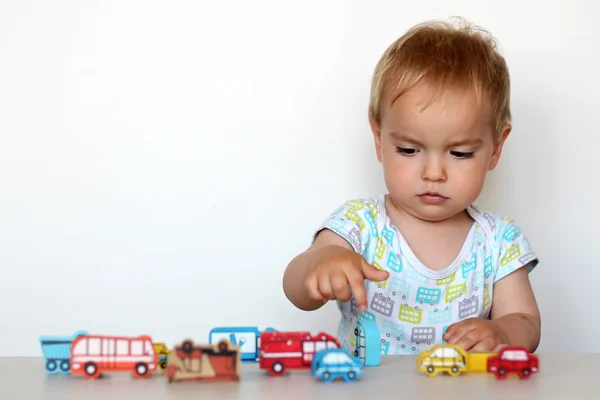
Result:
x=330 y=364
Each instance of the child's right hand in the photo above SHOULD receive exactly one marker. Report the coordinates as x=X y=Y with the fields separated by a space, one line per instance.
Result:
x=337 y=272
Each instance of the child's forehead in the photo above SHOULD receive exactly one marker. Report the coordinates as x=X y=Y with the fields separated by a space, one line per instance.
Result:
x=426 y=101
x=448 y=111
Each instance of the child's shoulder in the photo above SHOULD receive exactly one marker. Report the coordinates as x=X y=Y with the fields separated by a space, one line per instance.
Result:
x=512 y=247
x=357 y=220
x=501 y=227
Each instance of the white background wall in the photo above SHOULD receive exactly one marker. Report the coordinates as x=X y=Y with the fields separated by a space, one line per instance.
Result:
x=162 y=161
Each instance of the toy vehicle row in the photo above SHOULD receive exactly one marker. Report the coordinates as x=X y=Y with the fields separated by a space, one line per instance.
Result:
x=276 y=352
x=454 y=360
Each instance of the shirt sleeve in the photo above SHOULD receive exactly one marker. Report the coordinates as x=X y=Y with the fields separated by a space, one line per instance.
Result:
x=354 y=221
x=515 y=251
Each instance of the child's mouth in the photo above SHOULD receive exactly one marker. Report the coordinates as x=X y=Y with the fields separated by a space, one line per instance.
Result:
x=432 y=198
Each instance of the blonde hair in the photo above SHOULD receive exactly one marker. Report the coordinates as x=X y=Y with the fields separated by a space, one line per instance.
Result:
x=446 y=56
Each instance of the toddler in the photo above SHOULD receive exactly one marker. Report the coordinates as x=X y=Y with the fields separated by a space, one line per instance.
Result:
x=422 y=260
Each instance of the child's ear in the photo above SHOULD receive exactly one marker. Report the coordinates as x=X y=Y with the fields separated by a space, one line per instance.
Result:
x=376 y=129
x=498 y=146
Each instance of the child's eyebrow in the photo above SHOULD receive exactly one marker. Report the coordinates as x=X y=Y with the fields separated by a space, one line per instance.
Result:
x=475 y=141
x=404 y=138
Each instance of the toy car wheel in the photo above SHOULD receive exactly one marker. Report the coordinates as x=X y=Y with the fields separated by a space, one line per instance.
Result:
x=351 y=376
x=51 y=366
x=163 y=365
x=356 y=353
x=501 y=373
x=64 y=366
x=430 y=369
x=356 y=331
x=525 y=373
x=326 y=376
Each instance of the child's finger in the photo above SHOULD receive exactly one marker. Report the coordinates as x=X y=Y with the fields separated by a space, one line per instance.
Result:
x=325 y=288
x=456 y=331
x=468 y=340
x=339 y=286
x=312 y=287
x=357 y=285
x=372 y=273
x=499 y=347
x=485 y=344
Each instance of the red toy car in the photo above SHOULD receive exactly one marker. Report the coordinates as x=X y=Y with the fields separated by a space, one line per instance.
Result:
x=513 y=359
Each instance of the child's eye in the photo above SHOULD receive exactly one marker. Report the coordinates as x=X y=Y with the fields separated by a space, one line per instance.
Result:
x=406 y=150
x=462 y=154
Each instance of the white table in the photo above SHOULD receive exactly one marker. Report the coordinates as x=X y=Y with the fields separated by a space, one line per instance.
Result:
x=561 y=376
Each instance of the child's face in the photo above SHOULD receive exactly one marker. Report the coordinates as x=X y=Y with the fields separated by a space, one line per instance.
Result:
x=435 y=160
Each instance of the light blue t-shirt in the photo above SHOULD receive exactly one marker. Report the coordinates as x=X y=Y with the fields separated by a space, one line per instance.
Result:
x=415 y=305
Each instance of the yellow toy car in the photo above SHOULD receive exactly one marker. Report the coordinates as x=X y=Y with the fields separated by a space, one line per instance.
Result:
x=451 y=359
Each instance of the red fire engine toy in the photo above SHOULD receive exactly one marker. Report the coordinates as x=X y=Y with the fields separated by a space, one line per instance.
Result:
x=292 y=350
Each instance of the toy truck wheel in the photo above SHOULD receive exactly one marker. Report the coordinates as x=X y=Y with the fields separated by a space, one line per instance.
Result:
x=91 y=370
x=64 y=366
x=51 y=366
x=277 y=368
x=140 y=370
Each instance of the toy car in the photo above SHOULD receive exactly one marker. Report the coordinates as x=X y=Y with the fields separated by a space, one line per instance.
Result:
x=330 y=364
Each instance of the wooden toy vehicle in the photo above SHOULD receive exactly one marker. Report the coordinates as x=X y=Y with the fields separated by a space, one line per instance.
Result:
x=163 y=354
x=92 y=355
x=451 y=359
x=292 y=350
x=454 y=360
x=57 y=352
x=191 y=362
x=246 y=337
x=330 y=364
x=368 y=342
x=513 y=359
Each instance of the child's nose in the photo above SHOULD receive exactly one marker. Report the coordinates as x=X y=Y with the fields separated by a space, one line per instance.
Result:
x=434 y=170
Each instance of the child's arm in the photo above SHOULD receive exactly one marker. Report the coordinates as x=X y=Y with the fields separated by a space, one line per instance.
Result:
x=324 y=272
x=515 y=318
x=515 y=310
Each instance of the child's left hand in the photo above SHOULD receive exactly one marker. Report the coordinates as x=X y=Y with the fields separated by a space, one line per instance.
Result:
x=476 y=334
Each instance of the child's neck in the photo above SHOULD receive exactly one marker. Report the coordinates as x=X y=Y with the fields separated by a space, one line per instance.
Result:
x=435 y=243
